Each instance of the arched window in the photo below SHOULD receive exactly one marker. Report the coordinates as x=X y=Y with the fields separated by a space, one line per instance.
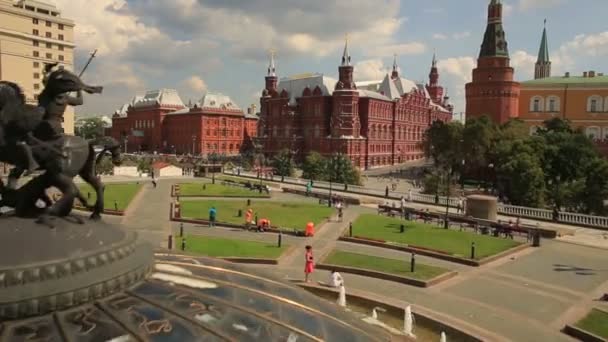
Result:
x=552 y=104
x=533 y=130
x=606 y=104
x=593 y=132
x=536 y=104
x=605 y=135
x=595 y=104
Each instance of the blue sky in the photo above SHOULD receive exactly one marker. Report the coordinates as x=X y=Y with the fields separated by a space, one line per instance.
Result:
x=222 y=45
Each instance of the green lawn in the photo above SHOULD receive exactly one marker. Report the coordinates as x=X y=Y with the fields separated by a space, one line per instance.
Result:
x=218 y=247
x=392 y=266
x=595 y=322
x=217 y=190
x=424 y=235
x=283 y=214
x=122 y=193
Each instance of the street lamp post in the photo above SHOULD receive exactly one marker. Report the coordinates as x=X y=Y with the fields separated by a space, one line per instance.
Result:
x=447 y=199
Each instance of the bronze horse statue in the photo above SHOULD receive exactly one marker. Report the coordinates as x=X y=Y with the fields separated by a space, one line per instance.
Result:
x=61 y=159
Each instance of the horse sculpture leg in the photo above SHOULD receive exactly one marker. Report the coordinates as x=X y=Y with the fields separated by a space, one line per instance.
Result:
x=95 y=182
x=64 y=205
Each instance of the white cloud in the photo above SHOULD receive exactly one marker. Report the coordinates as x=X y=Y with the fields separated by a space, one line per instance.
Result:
x=461 y=35
x=371 y=69
x=507 y=9
x=196 y=84
x=454 y=36
x=460 y=67
x=594 y=45
x=413 y=48
x=523 y=63
x=526 y=5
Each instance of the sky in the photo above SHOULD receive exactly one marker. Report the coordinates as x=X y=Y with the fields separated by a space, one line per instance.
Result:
x=196 y=46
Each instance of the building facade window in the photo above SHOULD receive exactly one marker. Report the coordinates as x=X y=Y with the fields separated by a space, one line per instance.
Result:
x=536 y=104
x=36 y=75
x=60 y=47
x=35 y=32
x=60 y=37
x=36 y=64
x=49 y=45
x=594 y=104
x=36 y=54
x=36 y=43
x=49 y=24
x=49 y=55
x=61 y=58
x=48 y=35
x=593 y=132
x=553 y=104
x=35 y=21
x=36 y=86
x=60 y=26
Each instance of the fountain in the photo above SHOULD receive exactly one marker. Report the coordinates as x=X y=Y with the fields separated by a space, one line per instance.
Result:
x=408 y=322
x=443 y=337
x=342 y=296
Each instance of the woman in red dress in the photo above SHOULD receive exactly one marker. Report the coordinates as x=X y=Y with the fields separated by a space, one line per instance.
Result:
x=309 y=266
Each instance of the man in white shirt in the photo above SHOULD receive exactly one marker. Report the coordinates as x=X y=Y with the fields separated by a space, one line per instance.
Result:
x=335 y=279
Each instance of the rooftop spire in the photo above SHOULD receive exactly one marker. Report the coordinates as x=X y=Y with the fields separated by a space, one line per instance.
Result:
x=395 y=72
x=271 y=67
x=345 y=54
x=434 y=62
x=543 y=52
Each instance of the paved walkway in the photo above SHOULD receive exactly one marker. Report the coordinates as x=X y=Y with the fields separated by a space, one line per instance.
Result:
x=529 y=296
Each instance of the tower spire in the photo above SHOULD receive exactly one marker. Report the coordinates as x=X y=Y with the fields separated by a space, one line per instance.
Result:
x=345 y=54
x=434 y=62
x=395 y=72
x=271 y=66
x=542 y=68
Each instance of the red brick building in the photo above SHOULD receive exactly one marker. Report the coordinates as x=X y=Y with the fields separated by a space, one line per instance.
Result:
x=375 y=123
x=492 y=91
x=160 y=121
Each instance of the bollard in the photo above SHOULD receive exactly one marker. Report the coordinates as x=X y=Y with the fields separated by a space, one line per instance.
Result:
x=350 y=229
x=181 y=229
x=239 y=213
x=280 y=240
x=345 y=187
x=170 y=242
x=204 y=186
x=472 y=250
x=403 y=228
x=183 y=244
x=413 y=263
x=115 y=205
x=248 y=201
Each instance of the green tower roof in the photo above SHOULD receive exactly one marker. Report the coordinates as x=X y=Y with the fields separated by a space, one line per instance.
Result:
x=543 y=52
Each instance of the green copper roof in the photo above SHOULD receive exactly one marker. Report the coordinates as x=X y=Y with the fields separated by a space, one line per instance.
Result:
x=494 y=40
x=543 y=52
x=572 y=80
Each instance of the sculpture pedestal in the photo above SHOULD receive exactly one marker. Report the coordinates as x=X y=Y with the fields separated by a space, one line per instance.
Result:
x=43 y=270
x=482 y=207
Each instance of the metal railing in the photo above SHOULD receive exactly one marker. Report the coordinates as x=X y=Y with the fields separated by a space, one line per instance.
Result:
x=504 y=209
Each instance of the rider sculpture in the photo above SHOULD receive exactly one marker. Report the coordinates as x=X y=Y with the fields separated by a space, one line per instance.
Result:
x=38 y=131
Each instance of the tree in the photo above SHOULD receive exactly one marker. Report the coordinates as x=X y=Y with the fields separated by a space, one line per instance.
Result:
x=477 y=141
x=90 y=128
x=283 y=163
x=342 y=170
x=519 y=175
x=443 y=143
x=314 y=166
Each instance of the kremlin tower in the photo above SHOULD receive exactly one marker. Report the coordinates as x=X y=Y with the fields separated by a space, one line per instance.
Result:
x=492 y=91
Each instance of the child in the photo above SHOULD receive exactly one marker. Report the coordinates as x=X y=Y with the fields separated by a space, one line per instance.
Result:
x=309 y=265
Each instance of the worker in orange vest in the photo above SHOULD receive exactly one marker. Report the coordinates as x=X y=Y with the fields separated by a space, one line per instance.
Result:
x=248 y=217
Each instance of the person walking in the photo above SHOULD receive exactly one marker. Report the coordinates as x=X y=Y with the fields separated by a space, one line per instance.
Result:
x=248 y=218
x=212 y=216
x=340 y=206
x=309 y=263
